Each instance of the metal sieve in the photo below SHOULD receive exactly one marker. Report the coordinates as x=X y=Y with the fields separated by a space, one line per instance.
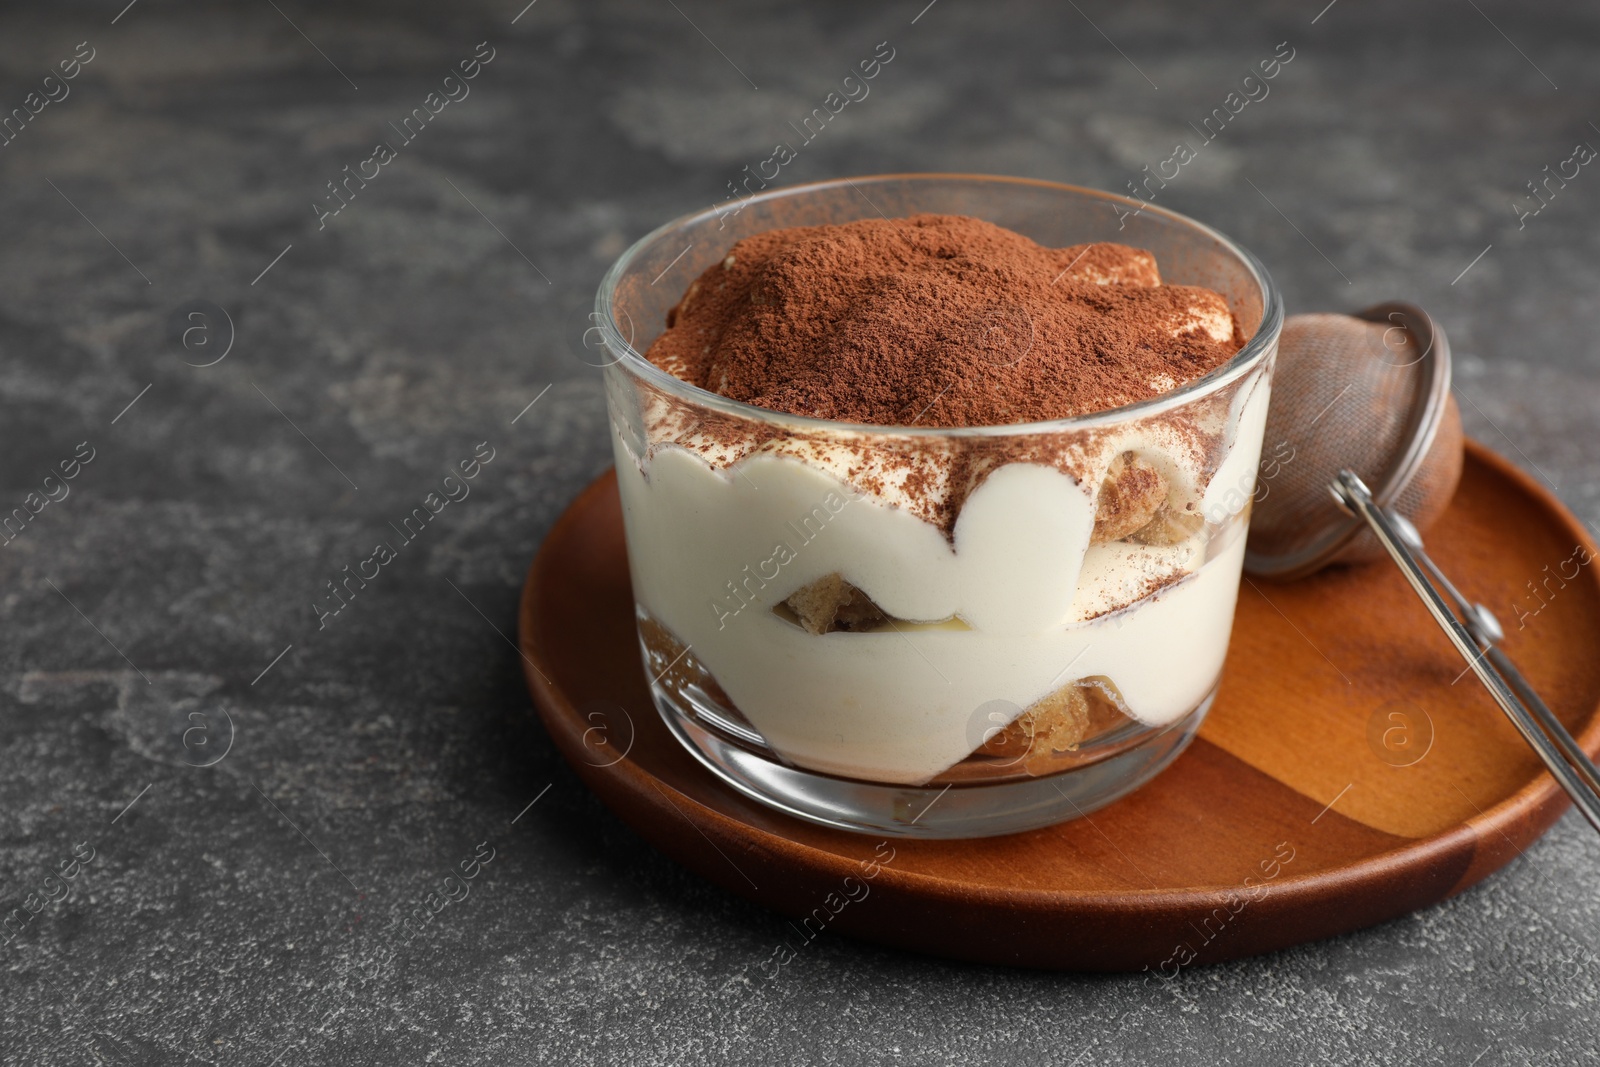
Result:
x=1371 y=393
x=1367 y=399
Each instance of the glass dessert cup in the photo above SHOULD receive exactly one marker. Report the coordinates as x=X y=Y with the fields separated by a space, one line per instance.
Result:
x=934 y=632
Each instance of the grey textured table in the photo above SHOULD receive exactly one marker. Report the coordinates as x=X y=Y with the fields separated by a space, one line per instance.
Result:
x=242 y=905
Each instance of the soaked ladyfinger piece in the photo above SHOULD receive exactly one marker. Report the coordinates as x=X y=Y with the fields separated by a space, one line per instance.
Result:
x=1131 y=494
x=830 y=603
x=1059 y=723
x=1169 y=526
x=1055 y=724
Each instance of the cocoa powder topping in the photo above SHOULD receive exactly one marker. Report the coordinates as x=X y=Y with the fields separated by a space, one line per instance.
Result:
x=939 y=320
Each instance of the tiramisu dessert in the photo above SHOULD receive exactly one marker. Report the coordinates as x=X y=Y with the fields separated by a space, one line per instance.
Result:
x=921 y=589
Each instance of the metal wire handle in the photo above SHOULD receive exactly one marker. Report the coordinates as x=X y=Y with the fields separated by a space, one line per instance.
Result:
x=1475 y=633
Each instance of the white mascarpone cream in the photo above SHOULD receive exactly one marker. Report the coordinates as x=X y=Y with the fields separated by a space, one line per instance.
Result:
x=1013 y=604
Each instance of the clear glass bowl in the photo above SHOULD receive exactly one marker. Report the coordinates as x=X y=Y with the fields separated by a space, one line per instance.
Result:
x=1011 y=674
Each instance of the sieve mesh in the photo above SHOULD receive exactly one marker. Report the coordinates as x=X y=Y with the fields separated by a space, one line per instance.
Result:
x=1350 y=392
x=1427 y=494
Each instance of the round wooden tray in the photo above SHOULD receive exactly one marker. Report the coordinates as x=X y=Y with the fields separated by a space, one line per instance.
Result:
x=1348 y=773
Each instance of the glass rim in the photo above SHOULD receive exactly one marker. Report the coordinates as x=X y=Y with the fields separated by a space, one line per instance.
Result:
x=1240 y=364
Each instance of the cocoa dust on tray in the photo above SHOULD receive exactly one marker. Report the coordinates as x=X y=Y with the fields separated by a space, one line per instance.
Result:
x=939 y=321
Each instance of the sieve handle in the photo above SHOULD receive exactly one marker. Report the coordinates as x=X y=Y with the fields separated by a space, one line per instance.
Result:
x=1475 y=640
x=1486 y=631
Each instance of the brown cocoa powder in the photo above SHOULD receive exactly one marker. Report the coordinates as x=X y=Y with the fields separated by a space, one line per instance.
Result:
x=936 y=321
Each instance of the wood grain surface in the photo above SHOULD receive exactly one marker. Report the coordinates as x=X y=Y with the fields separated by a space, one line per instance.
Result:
x=1347 y=774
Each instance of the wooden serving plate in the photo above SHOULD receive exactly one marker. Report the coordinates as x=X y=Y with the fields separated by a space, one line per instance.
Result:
x=1302 y=757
